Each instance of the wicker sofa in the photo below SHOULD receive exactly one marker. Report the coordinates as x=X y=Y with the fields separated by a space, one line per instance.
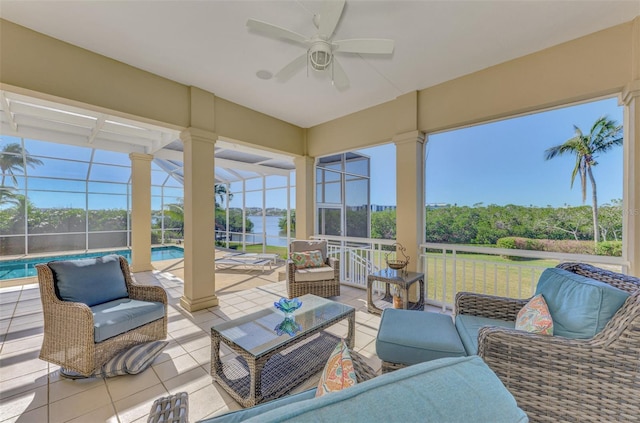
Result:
x=555 y=378
x=81 y=335
x=323 y=281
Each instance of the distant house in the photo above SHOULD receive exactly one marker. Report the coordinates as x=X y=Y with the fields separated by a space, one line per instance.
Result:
x=378 y=208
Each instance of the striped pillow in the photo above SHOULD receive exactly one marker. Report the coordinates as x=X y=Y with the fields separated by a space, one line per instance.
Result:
x=134 y=360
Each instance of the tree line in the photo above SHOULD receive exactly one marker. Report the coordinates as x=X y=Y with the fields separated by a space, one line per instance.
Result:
x=485 y=225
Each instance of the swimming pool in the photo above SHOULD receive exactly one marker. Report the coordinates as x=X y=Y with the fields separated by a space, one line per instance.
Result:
x=24 y=268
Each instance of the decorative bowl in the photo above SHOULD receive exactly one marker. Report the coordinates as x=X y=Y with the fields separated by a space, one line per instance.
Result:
x=288 y=306
x=397 y=264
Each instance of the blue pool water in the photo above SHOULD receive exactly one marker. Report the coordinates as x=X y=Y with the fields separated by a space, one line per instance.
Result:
x=23 y=268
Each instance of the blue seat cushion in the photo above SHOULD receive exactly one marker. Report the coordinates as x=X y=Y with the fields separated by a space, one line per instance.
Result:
x=579 y=306
x=122 y=315
x=90 y=281
x=242 y=415
x=410 y=337
x=454 y=389
x=468 y=327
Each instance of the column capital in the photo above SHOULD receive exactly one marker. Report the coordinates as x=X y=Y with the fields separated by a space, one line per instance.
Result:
x=630 y=91
x=409 y=137
x=302 y=160
x=141 y=156
x=197 y=134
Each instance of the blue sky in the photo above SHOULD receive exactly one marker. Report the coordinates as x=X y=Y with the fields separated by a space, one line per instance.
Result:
x=497 y=163
x=503 y=162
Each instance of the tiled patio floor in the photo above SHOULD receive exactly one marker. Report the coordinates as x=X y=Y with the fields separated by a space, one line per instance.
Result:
x=31 y=390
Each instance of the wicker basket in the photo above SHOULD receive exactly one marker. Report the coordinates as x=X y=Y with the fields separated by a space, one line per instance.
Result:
x=395 y=263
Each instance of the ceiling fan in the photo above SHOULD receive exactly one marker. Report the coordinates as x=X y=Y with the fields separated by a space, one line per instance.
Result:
x=320 y=47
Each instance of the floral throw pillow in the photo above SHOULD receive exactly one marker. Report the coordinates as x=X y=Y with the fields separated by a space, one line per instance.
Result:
x=338 y=373
x=307 y=259
x=535 y=317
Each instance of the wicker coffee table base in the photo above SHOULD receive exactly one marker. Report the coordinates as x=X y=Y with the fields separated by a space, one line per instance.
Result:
x=280 y=374
x=250 y=380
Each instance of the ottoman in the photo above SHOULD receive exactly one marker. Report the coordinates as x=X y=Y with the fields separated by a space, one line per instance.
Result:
x=409 y=337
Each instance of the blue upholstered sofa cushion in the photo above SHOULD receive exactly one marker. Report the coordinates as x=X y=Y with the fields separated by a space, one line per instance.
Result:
x=90 y=281
x=247 y=413
x=468 y=327
x=118 y=316
x=458 y=389
x=411 y=337
x=580 y=307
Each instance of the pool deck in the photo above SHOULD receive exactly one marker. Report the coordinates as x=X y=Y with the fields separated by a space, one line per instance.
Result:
x=32 y=390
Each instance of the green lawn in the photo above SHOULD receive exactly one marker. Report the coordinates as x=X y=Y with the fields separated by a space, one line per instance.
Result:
x=271 y=249
x=482 y=273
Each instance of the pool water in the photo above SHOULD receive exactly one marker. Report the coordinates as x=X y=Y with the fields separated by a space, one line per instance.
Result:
x=24 y=268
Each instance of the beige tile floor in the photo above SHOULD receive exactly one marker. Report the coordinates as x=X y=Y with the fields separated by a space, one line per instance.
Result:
x=31 y=390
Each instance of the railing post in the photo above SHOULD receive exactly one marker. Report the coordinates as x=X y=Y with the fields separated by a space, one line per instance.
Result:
x=444 y=279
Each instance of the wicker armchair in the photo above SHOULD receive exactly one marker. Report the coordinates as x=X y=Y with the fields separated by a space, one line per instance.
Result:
x=559 y=379
x=298 y=285
x=69 y=326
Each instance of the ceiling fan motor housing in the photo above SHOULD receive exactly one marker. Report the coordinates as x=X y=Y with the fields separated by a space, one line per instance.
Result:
x=320 y=55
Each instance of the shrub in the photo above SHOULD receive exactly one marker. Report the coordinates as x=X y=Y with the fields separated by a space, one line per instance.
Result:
x=609 y=248
x=557 y=246
x=507 y=242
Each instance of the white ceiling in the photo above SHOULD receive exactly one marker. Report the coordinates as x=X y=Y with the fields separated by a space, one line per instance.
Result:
x=207 y=44
x=26 y=117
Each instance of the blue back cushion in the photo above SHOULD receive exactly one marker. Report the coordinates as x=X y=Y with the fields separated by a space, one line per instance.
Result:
x=90 y=281
x=580 y=307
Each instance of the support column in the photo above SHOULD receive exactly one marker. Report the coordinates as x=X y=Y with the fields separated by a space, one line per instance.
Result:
x=630 y=98
x=140 y=212
x=199 y=220
x=410 y=192
x=305 y=192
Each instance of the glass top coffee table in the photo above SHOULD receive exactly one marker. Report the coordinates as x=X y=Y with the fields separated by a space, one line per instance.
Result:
x=273 y=355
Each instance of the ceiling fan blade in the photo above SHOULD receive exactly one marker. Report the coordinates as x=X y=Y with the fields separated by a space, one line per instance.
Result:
x=340 y=78
x=292 y=68
x=364 y=45
x=276 y=31
x=330 y=15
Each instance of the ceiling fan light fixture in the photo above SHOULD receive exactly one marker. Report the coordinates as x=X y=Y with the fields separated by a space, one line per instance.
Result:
x=321 y=47
x=320 y=56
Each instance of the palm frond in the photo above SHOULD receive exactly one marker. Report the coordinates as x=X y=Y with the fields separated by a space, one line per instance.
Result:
x=570 y=146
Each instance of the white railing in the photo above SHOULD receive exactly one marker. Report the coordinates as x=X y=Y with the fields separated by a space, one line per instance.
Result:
x=450 y=268
x=358 y=257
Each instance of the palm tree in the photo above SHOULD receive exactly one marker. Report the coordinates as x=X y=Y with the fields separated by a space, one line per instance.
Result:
x=11 y=161
x=8 y=195
x=603 y=136
x=221 y=191
x=175 y=212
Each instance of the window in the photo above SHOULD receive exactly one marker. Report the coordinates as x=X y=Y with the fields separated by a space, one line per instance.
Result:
x=501 y=184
